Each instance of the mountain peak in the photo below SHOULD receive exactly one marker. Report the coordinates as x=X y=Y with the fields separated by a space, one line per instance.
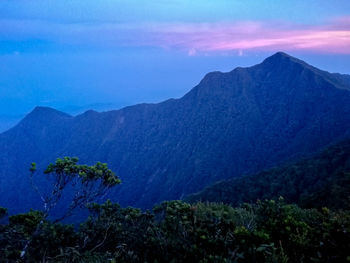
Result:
x=42 y=114
x=42 y=110
x=281 y=57
x=281 y=54
x=286 y=62
x=282 y=61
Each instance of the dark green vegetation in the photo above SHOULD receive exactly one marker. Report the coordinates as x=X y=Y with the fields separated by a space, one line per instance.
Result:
x=268 y=231
x=230 y=124
x=321 y=181
x=83 y=184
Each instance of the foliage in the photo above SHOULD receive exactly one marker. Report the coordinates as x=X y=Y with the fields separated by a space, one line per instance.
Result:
x=3 y=212
x=320 y=181
x=268 y=231
x=86 y=183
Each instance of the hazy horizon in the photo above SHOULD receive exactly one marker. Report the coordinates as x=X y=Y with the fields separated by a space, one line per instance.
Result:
x=116 y=53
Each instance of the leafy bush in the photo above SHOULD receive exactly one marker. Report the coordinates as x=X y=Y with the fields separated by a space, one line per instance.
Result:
x=268 y=231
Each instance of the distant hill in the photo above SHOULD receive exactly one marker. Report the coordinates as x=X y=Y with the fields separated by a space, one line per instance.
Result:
x=8 y=121
x=230 y=124
x=320 y=181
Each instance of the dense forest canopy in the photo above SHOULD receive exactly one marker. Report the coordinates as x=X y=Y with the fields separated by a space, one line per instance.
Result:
x=268 y=231
x=176 y=231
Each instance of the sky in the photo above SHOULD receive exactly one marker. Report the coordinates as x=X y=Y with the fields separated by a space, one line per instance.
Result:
x=103 y=54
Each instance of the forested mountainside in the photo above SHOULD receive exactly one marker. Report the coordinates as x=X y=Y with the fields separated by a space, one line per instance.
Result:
x=320 y=181
x=230 y=124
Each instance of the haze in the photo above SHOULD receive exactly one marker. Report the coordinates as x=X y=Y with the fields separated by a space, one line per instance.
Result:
x=86 y=54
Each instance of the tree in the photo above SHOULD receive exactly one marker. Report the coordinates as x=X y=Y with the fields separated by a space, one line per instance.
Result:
x=3 y=212
x=86 y=184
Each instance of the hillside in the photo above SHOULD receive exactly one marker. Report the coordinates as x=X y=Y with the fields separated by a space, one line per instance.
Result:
x=320 y=181
x=230 y=124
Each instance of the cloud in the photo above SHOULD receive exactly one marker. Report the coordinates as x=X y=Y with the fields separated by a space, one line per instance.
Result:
x=192 y=38
x=224 y=37
x=192 y=52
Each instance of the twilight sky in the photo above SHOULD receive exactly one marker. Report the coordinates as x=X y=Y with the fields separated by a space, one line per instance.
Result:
x=112 y=53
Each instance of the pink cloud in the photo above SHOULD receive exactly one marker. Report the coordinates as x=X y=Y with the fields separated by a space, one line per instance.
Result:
x=224 y=37
x=192 y=38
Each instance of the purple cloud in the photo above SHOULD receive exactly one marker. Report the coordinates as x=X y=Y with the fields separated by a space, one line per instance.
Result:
x=257 y=36
x=193 y=38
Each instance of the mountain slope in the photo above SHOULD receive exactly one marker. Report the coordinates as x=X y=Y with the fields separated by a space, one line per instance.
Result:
x=230 y=124
x=320 y=181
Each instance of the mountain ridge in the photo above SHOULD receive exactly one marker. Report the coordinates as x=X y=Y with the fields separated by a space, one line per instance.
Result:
x=278 y=55
x=232 y=123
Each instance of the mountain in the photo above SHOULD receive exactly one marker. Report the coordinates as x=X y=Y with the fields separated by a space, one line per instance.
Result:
x=8 y=121
x=320 y=181
x=230 y=124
